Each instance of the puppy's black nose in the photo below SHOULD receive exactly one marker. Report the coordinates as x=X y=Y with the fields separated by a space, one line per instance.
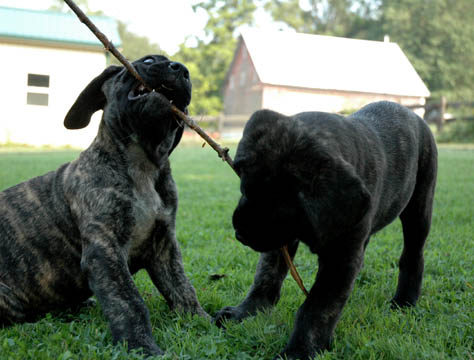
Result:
x=175 y=66
x=178 y=67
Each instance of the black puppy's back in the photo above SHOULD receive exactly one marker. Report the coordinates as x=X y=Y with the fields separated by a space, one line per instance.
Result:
x=406 y=157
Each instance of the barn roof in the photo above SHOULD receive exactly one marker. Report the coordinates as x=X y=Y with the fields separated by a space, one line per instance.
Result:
x=332 y=63
x=55 y=27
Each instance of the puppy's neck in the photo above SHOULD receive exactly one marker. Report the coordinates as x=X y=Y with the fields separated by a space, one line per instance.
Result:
x=135 y=149
x=110 y=139
x=138 y=160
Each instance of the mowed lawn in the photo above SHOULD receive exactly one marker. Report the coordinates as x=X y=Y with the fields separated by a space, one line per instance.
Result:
x=440 y=327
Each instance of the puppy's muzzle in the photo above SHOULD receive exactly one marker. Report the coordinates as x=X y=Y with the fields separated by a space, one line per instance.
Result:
x=173 y=82
x=180 y=70
x=177 y=73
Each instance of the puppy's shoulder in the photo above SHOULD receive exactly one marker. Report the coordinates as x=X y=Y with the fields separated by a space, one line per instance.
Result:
x=264 y=118
x=386 y=111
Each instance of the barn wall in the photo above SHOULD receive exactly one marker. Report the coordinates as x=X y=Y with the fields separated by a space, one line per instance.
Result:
x=293 y=100
x=243 y=91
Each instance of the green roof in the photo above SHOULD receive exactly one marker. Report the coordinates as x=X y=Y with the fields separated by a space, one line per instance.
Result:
x=54 y=26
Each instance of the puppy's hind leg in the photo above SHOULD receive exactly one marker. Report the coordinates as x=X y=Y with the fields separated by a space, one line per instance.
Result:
x=265 y=290
x=11 y=309
x=416 y=223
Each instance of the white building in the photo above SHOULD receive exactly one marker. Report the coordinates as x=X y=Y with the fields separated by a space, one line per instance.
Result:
x=46 y=59
x=293 y=72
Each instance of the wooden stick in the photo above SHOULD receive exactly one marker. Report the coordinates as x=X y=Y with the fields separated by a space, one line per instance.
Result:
x=293 y=271
x=103 y=39
x=222 y=152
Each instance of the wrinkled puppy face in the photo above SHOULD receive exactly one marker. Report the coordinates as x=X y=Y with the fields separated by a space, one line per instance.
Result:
x=267 y=215
x=164 y=76
x=146 y=115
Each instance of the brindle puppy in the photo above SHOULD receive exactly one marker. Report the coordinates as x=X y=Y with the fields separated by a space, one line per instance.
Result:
x=331 y=182
x=85 y=228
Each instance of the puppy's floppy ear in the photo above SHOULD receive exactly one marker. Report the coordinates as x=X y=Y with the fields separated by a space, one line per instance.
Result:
x=334 y=197
x=90 y=100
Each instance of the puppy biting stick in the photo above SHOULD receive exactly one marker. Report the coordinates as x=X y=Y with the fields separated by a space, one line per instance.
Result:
x=222 y=152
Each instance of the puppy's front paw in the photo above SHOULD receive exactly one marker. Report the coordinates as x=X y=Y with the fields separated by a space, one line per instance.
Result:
x=399 y=303
x=294 y=355
x=228 y=313
x=305 y=346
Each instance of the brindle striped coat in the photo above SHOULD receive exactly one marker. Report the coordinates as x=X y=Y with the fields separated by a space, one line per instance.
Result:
x=85 y=228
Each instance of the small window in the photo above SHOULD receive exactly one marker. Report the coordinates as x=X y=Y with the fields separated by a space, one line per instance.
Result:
x=38 y=88
x=37 y=99
x=38 y=80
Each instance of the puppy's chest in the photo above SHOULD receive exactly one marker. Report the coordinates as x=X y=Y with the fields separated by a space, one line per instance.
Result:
x=149 y=211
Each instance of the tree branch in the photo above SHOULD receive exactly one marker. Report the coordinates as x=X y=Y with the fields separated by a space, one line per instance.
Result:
x=222 y=152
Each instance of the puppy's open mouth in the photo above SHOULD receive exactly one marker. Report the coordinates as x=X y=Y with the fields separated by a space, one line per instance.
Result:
x=140 y=91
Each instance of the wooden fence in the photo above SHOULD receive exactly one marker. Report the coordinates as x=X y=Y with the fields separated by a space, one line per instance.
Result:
x=222 y=125
x=233 y=125
x=437 y=113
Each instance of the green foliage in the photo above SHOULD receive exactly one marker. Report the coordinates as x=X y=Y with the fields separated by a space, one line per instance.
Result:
x=207 y=69
x=226 y=17
x=209 y=61
x=348 y=18
x=134 y=46
x=457 y=132
x=440 y=327
x=438 y=38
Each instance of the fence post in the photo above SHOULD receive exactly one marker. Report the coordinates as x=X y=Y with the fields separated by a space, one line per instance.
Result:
x=442 y=110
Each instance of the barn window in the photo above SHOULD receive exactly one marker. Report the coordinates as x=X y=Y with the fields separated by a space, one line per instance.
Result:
x=38 y=80
x=37 y=99
x=37 y=90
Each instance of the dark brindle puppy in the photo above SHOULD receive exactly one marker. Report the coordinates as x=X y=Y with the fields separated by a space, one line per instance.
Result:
x=86 y=228
x=331 y=182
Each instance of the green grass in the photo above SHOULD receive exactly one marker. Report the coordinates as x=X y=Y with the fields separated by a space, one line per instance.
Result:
x=440 y=327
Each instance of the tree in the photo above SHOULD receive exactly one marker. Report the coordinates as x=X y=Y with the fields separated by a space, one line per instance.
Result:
x=438 y=38
x=348 y=18
x=135 y=46
x=209 y=61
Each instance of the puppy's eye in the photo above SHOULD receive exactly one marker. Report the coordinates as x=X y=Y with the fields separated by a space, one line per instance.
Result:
x=149 y=61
